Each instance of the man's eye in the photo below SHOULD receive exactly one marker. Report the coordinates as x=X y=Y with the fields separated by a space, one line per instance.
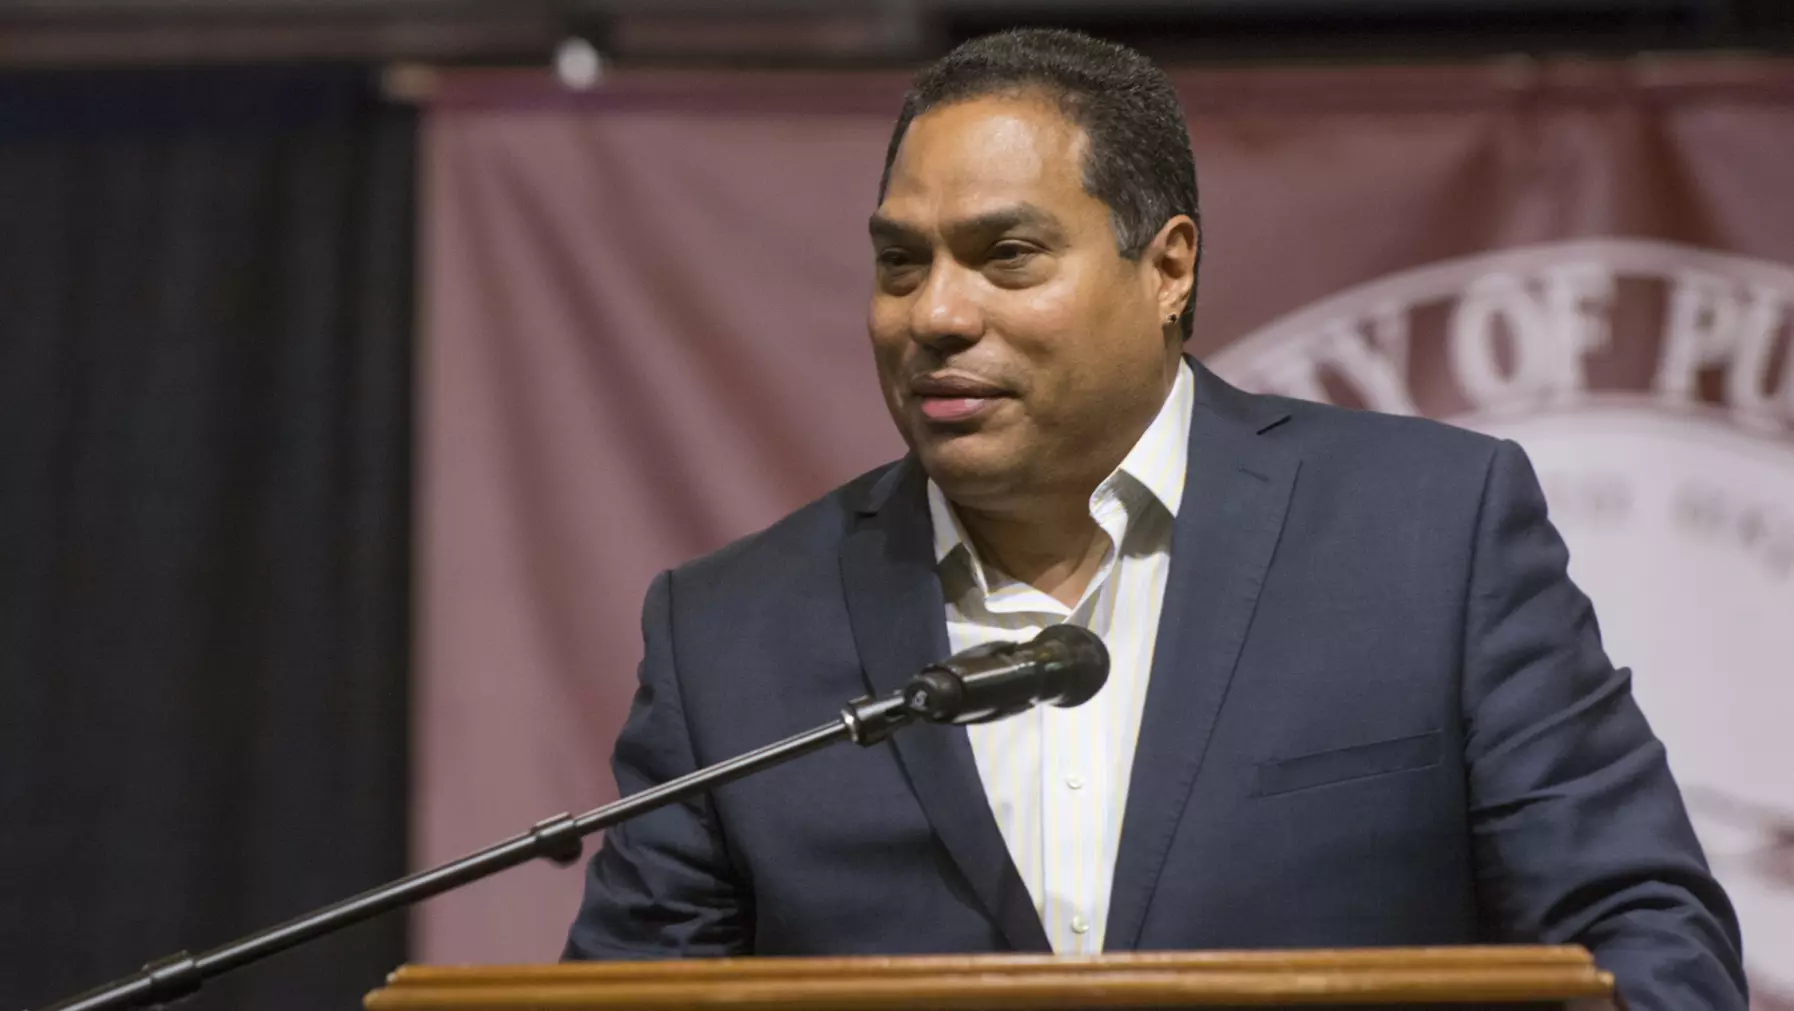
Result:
x=891 y=259
x=1010 y=254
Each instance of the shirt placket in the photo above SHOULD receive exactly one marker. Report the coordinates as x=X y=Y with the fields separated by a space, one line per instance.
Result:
x=1021 y=612
x=1074 y=791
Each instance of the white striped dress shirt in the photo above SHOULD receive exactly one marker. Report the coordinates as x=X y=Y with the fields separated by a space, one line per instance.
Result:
x=1057 y=779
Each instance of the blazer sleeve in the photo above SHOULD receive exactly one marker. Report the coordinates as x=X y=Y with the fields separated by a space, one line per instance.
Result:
x=1578 y=829
x=661 y=885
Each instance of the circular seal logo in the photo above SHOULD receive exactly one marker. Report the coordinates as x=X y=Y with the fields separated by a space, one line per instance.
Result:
x=1652 y=385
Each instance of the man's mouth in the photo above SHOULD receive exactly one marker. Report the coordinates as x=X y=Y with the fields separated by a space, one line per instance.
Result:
x=951 y=397
x=953 y=409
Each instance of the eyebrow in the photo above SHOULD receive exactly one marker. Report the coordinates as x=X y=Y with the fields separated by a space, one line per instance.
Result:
x=1003 y=219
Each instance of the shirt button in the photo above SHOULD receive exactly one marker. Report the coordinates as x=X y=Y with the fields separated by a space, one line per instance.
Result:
x=1074 y=782
x=1079 y=925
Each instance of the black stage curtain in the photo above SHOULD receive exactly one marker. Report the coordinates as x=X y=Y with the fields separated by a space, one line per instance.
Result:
x=205 y=334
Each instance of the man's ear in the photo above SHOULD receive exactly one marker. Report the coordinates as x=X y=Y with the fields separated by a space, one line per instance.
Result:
x=1172 y=256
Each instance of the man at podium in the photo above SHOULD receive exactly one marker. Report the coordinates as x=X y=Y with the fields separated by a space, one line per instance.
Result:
x=1354 y=698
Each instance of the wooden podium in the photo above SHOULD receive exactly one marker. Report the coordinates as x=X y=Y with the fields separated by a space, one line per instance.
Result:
x=1506 y=977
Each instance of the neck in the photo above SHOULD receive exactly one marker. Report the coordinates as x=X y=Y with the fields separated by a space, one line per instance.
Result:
x=1053 y=545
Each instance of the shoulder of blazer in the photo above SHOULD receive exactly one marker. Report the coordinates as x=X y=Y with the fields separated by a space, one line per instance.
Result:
x=1326 y=432
x=815 y=528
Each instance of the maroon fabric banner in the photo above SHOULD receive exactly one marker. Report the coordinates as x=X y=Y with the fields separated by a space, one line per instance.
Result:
x=644 y=337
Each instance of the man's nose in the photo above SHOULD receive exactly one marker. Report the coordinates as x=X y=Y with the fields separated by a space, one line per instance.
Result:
x=945 y=315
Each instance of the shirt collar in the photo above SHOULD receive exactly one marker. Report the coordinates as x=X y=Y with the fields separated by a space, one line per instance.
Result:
x=1157 y=463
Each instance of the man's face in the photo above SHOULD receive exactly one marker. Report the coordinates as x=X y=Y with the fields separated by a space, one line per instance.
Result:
x=1018 y=351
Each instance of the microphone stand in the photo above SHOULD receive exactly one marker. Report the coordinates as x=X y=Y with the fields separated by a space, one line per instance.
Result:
x=864 y=721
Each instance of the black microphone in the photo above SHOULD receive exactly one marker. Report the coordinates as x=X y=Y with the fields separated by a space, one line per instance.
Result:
x=1064 y=665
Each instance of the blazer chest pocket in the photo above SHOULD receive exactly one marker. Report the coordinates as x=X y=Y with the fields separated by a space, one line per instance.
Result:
x=1360 y=761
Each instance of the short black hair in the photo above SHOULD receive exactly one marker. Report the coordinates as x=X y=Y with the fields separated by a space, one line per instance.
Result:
x=1138 y=163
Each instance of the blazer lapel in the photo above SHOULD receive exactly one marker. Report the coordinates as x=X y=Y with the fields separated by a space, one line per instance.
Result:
x=898 y=617
x=1236 y=491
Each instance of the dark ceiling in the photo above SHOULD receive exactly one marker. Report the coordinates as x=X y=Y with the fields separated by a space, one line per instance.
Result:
x=85 y=32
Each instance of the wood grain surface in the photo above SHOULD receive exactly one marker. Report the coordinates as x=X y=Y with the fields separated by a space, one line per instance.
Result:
x=1470 y=976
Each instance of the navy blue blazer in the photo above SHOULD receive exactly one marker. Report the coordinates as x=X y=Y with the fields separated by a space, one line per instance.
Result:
x=1379 y=714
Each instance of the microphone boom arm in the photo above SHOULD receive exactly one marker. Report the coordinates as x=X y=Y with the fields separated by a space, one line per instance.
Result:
x=1064 y=666
x=864 y=721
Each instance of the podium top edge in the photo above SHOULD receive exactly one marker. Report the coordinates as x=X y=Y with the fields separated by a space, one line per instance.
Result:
x=1433 y=977
x=1557 y=957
